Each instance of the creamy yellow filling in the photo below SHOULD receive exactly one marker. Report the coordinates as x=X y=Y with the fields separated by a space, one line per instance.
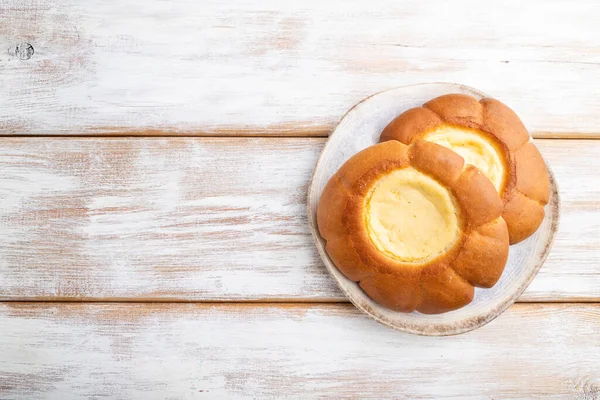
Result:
x=474 y=147
x=411 y=217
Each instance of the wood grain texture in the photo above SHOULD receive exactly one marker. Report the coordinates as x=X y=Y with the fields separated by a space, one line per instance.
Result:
x=285 y=68
x=215 y=219
x=150 y=351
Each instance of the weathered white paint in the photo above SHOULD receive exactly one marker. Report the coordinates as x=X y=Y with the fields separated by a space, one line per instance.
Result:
x=278 y=67
x=176 y=351
x=215 y=219
x=187 y=219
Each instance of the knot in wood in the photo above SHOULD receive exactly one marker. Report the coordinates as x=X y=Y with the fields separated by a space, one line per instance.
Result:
x=23 y=51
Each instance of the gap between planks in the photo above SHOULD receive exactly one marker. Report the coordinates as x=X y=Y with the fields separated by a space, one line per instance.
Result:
x=257 y=302
x=258 y=133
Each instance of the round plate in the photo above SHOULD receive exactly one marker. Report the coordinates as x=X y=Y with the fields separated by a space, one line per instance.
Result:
x=361 y=128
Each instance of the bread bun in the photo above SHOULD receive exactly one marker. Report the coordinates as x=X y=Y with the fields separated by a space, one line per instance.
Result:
x=490 y=136
x=413 y=226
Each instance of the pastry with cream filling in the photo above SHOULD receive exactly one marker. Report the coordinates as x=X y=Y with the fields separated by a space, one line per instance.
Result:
x=490 y=136
x=414 y=225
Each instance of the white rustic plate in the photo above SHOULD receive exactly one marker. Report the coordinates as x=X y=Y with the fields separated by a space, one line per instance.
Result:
x=361 y=128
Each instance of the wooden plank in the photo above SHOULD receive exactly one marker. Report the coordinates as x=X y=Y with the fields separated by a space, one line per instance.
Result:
x=285 y=68
x=197 y=219
x=125 y=351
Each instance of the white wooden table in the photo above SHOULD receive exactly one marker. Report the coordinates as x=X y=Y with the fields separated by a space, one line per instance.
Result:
x=154 y=162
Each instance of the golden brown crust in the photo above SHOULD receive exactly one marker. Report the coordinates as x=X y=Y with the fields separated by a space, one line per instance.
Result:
x=523 y=216
x=333 y=202
x=525 y=169
x=409 y=123
x=435 y=160
x=532 y=174
x=341 y=251
x=504 y=124
x=458 y=109
x=432 y=286
x=394 y=291
x=445 y=292
x=477 y=196
x=370 y=157
x=484 y=254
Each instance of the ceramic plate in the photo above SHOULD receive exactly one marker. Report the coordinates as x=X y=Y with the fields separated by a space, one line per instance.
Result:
x=361 y=128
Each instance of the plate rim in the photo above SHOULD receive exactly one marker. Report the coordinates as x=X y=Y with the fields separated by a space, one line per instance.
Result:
x=472 y=323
